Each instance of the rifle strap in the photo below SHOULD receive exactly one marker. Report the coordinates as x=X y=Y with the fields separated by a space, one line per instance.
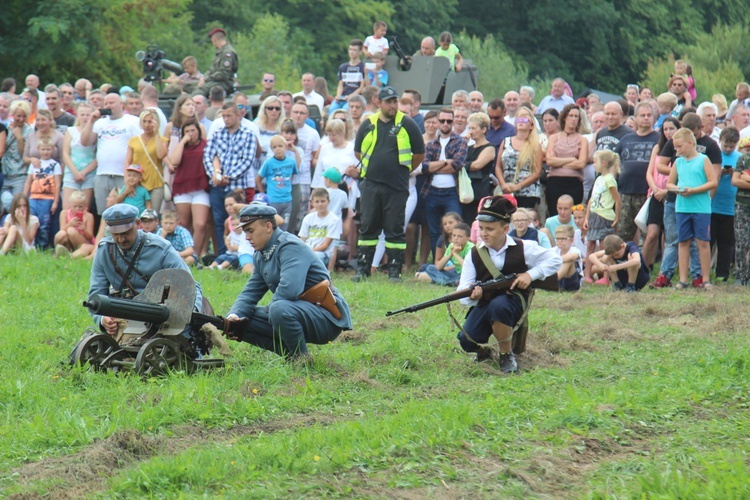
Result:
x=131 y=266
x=460 y=327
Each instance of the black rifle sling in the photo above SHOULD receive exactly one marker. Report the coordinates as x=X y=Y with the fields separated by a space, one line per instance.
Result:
x=131 y=266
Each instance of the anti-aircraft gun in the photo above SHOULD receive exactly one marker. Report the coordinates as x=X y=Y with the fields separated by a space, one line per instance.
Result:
x=163 y=332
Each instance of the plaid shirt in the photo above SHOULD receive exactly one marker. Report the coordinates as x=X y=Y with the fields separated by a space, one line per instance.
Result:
x=180 y=239
x=455 y=150
x=236 y=154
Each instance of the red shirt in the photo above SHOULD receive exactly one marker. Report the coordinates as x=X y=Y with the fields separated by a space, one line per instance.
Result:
x=191 y=176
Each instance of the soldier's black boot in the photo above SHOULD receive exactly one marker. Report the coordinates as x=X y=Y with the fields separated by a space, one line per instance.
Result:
x=395 y=263
x=364 y=262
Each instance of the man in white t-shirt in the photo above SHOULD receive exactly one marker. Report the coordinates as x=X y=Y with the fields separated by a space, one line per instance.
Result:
x=308 y=92
x=111 y=135
x=32 y=82
x=309 y=141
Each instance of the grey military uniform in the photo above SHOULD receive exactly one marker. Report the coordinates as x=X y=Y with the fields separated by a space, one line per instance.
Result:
x=288 y=267
x=157 y=253
x=223 y=67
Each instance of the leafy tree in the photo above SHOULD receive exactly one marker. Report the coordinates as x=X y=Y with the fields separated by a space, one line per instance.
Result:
x=269 y=47
x=499 y=69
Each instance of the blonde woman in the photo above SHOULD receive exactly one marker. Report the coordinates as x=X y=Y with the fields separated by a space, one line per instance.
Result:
x=480 y=162
x=519 y=164
x=149 y=150
x=80 y=161
x=270 y=117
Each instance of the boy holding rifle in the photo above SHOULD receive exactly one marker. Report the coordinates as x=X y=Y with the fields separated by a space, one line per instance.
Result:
x=496 y=313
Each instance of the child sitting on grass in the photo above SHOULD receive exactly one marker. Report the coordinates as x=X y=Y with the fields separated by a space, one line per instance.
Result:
x=569 y=274
x=579 y=238
x=76 y=235
x=320 y=228
x=20 y=227
x=132 y=193
x=622 y=262
x=692 y=179
x=178 y=236
x=447 y=270
x=233 y=240
x=523 y=229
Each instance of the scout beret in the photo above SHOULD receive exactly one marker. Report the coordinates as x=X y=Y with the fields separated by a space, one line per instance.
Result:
x=120 y=217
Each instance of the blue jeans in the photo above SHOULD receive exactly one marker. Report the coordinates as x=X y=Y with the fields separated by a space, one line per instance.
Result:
x=669 y=257
x=439 y=202
x=41 y=208
x=217 y=196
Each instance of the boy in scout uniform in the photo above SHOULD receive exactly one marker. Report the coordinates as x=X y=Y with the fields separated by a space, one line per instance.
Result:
x=305 y=307
x=496 y=313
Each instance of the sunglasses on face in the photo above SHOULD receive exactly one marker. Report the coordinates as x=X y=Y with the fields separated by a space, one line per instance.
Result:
x=494 y=118
x=268 y=81
x=243 y=107
x=523 y=120
x=273 y=108
x=445 y=121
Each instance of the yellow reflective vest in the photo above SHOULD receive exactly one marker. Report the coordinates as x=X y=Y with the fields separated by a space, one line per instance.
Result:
x=402 y=141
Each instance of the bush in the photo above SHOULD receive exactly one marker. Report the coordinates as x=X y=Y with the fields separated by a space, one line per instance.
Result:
x=500 y=70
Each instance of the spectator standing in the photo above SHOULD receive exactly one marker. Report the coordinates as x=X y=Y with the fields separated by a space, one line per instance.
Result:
x=14 y=169
x=111 y=135
x=499 y=129
x=309 y=141
x=79 y=161
x=62 y=118
x=480 y=163
x=308 y=92
x=635 y=153
x=352 y=77
x=567 y=155
x=557 y=98
x=444 y=157
x=390 y=146
x=149 y=150
x=519 y=164
x=609 y=138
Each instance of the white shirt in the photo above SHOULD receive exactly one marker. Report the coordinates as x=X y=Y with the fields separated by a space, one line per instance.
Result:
x=443 y=180
x=112 y=142
x=332 y=157
x=309 y=141
x=317 y=229
x=312 y=99
x=542 y=262
x=745 y=132
x=338 y=202
x=374 y=45
x=573 y=250
x=162 y=119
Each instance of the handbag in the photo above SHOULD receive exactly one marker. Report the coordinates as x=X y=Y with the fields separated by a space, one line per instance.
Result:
x=167 y=188
x=641 y=220
x=465 y=191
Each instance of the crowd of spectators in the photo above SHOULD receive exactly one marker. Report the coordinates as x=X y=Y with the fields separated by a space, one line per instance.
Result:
x=632 y=168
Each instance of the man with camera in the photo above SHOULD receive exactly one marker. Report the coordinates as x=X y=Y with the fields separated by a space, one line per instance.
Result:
x=223 y=67
x=110 y=129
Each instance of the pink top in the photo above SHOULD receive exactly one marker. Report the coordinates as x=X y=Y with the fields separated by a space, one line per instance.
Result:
x=567 y=146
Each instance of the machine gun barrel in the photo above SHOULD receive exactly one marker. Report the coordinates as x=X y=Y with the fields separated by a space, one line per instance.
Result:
x=127 y=309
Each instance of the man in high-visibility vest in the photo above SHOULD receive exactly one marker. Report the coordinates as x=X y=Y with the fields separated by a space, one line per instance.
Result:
x=389 y=145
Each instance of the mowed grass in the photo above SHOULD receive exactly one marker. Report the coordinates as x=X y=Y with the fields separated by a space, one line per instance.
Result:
x=620 y=395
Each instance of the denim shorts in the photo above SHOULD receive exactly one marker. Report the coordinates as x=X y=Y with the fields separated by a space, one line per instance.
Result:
x=691 y=226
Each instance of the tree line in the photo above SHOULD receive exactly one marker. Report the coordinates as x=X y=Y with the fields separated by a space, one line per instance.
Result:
x=602 y=44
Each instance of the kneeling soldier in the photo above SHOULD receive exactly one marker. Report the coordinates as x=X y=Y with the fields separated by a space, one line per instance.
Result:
x=305 y=307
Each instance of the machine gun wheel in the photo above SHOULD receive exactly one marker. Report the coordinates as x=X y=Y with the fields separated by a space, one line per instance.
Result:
x=94 y=350
x=159 y=356
x=119 y=360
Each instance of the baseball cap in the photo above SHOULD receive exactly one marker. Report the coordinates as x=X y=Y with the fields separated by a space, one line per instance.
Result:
x=333 y=174
x=387 y=93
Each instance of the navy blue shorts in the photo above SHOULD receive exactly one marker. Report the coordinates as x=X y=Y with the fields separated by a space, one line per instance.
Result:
x=506 y=309
x=571 y=284
x=693 y=226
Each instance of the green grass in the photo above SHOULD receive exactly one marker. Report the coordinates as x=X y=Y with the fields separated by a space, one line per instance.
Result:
x=621 y=395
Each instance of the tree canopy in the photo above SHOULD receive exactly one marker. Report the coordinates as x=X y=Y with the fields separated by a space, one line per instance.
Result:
x=603 y=44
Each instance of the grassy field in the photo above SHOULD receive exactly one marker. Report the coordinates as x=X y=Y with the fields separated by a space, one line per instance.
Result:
x=621 y=395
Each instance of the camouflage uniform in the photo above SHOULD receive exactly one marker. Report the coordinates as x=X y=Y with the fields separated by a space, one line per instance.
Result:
x=742 y=237
x=221 y=73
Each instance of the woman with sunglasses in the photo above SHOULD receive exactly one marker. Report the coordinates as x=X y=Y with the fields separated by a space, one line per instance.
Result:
x=519 y=166
x=567 y=155
x=270 y=117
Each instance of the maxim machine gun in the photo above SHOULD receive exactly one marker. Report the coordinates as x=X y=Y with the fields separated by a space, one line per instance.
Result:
x=162 y=331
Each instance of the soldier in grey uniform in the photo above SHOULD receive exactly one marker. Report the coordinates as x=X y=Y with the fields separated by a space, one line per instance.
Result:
x=223 y=66
x=125 y=261
x=287 y=267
